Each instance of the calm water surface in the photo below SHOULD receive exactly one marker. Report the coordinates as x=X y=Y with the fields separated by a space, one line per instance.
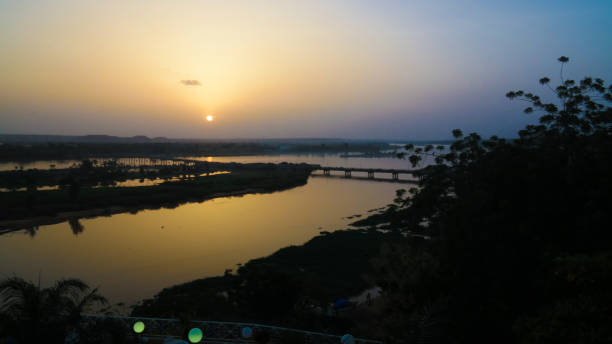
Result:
x=133 y=256
x=319 y=159
x=323 y=160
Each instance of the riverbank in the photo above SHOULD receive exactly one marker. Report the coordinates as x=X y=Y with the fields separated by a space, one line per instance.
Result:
x=294 y=286
x=24 y=209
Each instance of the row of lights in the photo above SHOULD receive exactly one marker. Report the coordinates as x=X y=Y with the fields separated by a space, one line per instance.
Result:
x=195 y=335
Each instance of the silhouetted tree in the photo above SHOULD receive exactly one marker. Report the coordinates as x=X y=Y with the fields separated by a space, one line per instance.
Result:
x=513 y=224
x=76 y=226
x=87 y=165
x=32 y=231
x=31 y=191
x=266 y=292
x=43 y=315
x=71 y=184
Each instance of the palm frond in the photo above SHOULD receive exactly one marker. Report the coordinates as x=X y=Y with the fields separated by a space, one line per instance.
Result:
x=70 y=287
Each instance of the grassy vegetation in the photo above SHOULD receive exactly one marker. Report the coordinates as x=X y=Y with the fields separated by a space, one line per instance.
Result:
x=25 y=204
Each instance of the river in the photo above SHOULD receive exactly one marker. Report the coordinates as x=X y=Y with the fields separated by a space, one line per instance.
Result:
x=133 y=256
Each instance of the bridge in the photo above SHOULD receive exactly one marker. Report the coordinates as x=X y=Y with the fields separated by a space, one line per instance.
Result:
x=327 y=170
x=160 y=330
x=370 y=171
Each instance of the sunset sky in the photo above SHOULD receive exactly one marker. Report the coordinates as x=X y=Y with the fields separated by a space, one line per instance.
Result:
x=337 y=69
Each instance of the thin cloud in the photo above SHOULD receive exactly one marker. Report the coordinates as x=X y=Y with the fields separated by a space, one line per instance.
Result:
x=191 y=82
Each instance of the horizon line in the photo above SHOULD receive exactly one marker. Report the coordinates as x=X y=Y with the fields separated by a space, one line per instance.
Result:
x=227 y=138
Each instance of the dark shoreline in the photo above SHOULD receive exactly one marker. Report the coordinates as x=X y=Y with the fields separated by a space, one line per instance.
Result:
x=113 y=200
x=7 y=226
x=330 y=266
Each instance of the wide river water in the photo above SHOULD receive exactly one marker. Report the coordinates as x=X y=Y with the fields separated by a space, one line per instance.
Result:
x=133 y=256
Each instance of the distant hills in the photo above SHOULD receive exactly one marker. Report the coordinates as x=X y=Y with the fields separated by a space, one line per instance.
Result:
x=33 y=139
x=84 y=139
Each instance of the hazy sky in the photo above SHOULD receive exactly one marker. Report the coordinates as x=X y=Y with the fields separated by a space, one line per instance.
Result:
x=350 y=69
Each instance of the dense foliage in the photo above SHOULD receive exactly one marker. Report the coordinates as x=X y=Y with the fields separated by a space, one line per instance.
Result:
x=31 y=314
x=521 y=247
x=293 y=287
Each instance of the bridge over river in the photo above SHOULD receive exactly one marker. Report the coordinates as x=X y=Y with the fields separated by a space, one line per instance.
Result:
x=348 y=172
x=164 y=330
x=327 y=170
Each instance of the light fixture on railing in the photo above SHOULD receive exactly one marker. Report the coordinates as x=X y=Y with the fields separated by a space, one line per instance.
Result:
x=195 y=335
x=138 y=327
x=347 y=339
x=247 y=332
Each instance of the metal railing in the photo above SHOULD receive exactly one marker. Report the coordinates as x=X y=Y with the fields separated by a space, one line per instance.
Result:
x=219 y=331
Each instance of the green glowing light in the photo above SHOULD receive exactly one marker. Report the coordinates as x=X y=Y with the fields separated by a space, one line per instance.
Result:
x=139 y=327
x=195 y=335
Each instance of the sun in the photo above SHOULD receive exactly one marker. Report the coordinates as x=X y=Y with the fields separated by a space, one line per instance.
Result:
x=209 y=118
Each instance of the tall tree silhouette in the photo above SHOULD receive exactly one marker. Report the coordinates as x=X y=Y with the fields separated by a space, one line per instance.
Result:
x=508 y=218
x=36 y=314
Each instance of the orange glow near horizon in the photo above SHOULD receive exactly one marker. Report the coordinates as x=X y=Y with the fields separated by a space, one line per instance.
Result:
x=152 y=73
x=278 y=68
